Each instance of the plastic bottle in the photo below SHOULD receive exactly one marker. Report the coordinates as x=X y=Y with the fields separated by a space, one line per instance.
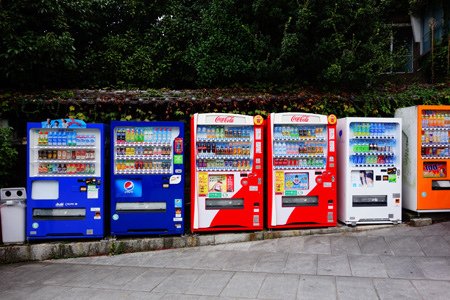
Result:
x=424 y=120
x=277 y=132
x=146 y=135
x=441 y=120
x=358 y=129
x=276 y=148
x=65 y=138
x=69 y=138
x=141 y=135
x=432 y=120
x=283 y=148
x=74 y=138
x=372 y=129
x=50 y=138
x=137 y=135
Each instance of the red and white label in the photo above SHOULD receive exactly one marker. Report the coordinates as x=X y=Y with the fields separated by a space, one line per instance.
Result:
x=300 y=119
x=224 y=119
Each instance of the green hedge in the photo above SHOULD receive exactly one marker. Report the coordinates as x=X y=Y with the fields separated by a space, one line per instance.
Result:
x=151 y=105
x=104 y=106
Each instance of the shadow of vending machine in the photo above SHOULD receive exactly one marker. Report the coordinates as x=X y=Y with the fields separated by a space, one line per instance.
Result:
x=370 y=166
x=301 y=160
x=147 y=178
x=426 y=147
x=227 y=172
x=65 y=180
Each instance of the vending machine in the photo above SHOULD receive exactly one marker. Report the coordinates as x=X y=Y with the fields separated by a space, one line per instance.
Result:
x=301 y=173
x=227 y=172
x=370 y=168
x=426 y=147
x=65 y=180
x=147 y=178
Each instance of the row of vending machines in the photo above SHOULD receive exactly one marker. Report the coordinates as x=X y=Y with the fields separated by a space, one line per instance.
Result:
x=291 y=170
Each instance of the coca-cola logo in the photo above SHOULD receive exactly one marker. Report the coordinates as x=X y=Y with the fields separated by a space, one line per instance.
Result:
x=223 y=119
x=299 y=119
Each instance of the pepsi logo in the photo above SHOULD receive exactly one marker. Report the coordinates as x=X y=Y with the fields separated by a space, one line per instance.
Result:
x=128 y=186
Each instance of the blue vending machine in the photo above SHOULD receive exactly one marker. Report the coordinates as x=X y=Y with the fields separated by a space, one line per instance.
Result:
x=147 y=178
x=65 y=180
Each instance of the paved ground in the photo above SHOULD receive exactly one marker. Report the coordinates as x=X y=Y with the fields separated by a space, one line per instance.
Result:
x=400 y=262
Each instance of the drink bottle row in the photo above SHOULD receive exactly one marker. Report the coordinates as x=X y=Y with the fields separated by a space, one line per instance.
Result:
x=371 y=129
x=431 y=137
x=372 y=147
x=223 y=132
x=373 y=159
x=65 y=138
x=435 y=151
x=66 y=169
x=144 y=135
x=293 y=132
x=139 y=165
x=300 y=163
x=228 y=164
x=314 y=148
x=66 y=154
x=436 y=119
x=236 y=148
x=147 y=150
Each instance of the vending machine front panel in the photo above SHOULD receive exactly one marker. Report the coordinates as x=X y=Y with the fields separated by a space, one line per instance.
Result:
x=370 y=170
x=65 y=181
x=434 y=158
x=227 y=167
x=147 y=182
x=301 y=170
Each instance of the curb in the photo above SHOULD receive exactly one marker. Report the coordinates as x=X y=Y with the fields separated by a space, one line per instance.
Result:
x=112 y=246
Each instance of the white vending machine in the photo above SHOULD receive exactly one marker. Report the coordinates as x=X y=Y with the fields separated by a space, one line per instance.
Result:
x=369 y=158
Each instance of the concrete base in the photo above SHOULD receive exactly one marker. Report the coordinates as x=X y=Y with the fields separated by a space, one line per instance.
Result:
x=419 y=222
x=54 y=250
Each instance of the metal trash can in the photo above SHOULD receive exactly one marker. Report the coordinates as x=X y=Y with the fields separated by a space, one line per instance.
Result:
x=12 y=211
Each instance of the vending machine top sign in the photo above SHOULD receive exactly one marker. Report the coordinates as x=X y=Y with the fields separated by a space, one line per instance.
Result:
x=224 y=119
x=64 y=123
x=289 y=118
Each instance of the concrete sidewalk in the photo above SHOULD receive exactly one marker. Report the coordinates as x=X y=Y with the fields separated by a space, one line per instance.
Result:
x=392 y=263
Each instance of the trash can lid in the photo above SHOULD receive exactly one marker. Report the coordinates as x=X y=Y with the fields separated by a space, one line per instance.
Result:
x=13 y=202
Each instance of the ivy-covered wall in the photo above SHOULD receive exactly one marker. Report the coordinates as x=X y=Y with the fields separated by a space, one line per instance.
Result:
x=102 y=106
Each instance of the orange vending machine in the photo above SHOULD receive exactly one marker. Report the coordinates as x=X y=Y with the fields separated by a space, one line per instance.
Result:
x=426 y=157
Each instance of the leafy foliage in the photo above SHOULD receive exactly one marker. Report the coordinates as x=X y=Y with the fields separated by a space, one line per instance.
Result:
x=180 y=43
x=8 y=156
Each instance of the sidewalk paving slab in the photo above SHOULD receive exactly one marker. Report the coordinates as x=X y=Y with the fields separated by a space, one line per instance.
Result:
x=390 y=264
x=350 y=288
x=279 y=286
x=395 y=289
x=337 y=265
x=317 y=287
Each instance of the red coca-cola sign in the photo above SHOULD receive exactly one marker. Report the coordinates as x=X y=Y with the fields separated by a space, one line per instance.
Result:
x=224 y=119
x=299 y=119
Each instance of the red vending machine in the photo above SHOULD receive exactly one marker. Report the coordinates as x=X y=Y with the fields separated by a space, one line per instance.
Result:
x=227 y=172
x=301 y=174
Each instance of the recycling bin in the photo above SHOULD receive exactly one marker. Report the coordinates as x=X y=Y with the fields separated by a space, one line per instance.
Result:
x=12 y=211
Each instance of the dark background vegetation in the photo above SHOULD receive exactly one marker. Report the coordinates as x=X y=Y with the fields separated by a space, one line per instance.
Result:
x=175 y=58
x=179 y=44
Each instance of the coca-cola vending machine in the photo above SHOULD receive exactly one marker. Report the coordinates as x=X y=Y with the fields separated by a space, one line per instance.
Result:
x=227 y=172
x=301 y=173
